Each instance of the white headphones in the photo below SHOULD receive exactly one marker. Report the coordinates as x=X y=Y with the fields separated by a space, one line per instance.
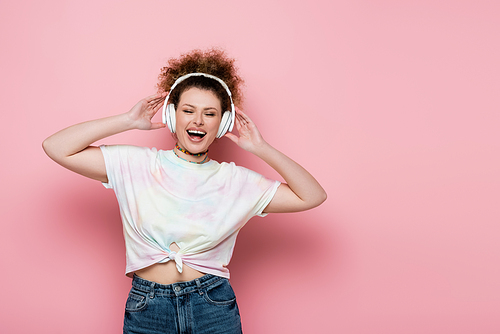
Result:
x=168 y=113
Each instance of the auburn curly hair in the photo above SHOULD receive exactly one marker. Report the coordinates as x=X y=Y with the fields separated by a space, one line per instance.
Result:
x=212 y=61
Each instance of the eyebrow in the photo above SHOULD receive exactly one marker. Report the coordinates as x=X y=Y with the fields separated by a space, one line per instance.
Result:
x=190 y=105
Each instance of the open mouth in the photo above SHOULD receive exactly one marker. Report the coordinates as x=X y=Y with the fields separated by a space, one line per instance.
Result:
x=196 y=134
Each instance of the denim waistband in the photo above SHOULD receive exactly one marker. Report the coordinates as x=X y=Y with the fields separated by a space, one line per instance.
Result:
x=174 y=289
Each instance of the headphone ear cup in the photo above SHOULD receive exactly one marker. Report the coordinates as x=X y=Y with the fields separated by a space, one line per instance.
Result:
x=225 y=124
x=171 y=117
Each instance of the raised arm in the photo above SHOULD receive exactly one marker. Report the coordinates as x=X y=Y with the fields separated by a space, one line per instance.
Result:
x=71 y=148
x=301 y=190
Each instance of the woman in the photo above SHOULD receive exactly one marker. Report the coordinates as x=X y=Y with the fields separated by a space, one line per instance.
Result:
x=181 y=211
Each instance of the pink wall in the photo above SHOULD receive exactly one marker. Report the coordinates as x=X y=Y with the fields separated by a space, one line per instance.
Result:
x=392 y=105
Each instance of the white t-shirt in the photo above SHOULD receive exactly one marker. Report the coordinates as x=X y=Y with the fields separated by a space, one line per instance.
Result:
x=201 y=207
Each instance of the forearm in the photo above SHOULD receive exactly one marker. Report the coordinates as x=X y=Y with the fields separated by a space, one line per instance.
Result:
x=71 y=148
x=301 y=190
x=76 y=138
x=307 y=190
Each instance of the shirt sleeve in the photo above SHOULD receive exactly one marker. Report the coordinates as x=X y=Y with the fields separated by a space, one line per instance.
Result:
x=108 y=161
x=265 y=190
x=267 y=198
x=123 y=161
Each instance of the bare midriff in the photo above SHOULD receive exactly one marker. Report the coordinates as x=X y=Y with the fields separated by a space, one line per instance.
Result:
x=167 y=273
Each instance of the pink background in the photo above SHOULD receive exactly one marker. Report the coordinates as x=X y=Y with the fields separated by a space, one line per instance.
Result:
x=392 y=105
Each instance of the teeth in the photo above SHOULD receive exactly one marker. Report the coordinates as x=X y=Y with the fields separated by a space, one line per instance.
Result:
x=196 y=132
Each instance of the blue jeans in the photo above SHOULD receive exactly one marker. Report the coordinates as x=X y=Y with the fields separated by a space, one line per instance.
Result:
x=204 y=305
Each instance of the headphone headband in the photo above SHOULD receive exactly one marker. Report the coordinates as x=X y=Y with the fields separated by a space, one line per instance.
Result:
x=199 y=74
x=225 y=126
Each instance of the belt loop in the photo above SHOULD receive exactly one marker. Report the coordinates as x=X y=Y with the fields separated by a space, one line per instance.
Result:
x=198 y=285
x=152 y=286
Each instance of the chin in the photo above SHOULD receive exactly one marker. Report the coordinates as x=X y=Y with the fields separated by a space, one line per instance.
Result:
x=196 y=147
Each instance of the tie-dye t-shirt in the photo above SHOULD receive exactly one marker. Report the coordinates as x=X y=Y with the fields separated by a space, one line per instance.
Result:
x=200 y=207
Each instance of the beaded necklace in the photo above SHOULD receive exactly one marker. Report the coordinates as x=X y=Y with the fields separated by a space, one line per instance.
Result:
x=189 y=153
x=193 y=162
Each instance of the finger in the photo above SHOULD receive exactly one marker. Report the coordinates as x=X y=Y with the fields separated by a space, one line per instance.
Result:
x=157 y=105
x=239 y=122
x=237 y=111
x=151 y=98
x=161 y=96
x=155 y=97
x=232 y=137
x=158 y=101
x=240 y=117
x=243 y=116
x=240 y=112
x=243 y=121
x=157 y=125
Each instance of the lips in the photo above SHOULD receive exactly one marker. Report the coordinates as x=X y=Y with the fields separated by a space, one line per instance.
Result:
x=196 y=135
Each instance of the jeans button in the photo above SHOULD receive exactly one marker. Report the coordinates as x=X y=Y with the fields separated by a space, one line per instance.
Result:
x=177 y=288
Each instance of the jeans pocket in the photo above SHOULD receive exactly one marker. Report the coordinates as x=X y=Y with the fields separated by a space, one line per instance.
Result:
x=220 y=293
x=135 y=302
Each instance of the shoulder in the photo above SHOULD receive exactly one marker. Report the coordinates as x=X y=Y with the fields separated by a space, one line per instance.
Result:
x=232 y=168
x=128 y=155
x=242 y=173
x=128 y=150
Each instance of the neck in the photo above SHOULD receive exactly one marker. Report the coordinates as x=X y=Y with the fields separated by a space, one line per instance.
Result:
x=195 y=158
x=189 y=153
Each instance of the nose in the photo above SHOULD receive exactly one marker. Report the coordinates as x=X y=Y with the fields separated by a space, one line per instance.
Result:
x=198 y=119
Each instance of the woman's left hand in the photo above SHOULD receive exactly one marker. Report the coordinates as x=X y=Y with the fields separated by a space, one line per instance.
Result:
x=250 y=138
x=301 y=191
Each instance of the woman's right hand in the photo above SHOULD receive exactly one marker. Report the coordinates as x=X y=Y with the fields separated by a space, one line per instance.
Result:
x=142 y=113
x=71 y=147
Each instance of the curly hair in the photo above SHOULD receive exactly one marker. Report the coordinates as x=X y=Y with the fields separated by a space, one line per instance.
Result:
x=212 y=61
